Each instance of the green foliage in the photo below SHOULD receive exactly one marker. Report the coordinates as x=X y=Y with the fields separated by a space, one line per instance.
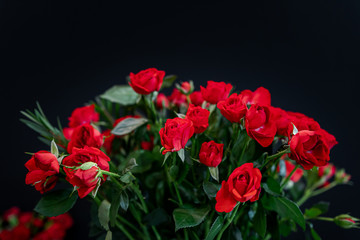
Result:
x=122 y=94
x=186 y=217
x=56 y=202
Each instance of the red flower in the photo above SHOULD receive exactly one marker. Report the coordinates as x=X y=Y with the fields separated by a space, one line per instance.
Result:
x=176 y=134
x=211 y=153
x=196 y=98
x=259 y=124
x=215 y=91
x=20 y=232
x=309 y=149
x=64 y=219
x=147 y=81
x=261 y=96
x=199 y=117
x=10 y=213
x=55 y=232
x=177 y=98
x=233 y=109
x=243 y=185
x=185 y=87
x=83 y=115
x=84 y=178
x=162 y=101
x=85 y=135
x=43 y=166
x=289 y=168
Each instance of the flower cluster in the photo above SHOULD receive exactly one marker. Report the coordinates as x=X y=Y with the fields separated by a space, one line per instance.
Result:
x=28 y=225
x=194 y=155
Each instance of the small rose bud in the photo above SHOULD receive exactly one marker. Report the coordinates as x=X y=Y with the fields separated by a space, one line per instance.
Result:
x=342 y=177
x=346 y=221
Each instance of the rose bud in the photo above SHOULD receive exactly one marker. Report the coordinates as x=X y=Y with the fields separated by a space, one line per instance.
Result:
x=85 y=135
x=211 y=153
x=176 y=134
x=11 y=213
x=243 y=185
x=259 y=125
x=346 y=221
x=342 y=177
x=162 y=101
x=185 y=87
x=148 y=145
x=215 y=91
x=43 y=167
x=260 y=96
x=289 y=168
x=196 y=98
x=147 y=81
x=325 y=173
x=308 y=148
x=199 y=117
x=232 y=108
x=177 y=98
x=87 y=162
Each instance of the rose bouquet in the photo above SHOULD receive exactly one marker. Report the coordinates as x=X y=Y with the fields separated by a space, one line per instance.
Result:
x=193 y=165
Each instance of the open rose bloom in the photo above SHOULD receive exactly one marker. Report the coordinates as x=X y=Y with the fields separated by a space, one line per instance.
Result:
x=190 y=162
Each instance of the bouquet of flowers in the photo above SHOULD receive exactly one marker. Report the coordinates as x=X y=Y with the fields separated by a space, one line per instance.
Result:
x=206 y=164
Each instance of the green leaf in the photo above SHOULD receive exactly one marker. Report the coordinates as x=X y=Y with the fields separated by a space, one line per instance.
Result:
x=285 y=208
x=56 y=202
x=128 y=125
x=108 y=235
x=103 y=214
x=259 y=221
x=114 y=208
x=173 y=172
x=214 y=172
x=322 y=206
x=157 y=217
x=54 y=149
x=124 y=200
x=211 y=189
x=272 y=187
x=215 y=228
x=122 y=94
x=168 y=81
x=127 y=177
x=181 y=154
x=312 y=212
x=314 y=234
x=189 y=217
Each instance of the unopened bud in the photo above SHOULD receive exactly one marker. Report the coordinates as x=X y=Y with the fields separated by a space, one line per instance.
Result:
x=346 y=221
x=342 y=177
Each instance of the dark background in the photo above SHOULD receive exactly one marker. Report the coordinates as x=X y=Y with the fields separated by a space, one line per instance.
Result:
x=64 y=54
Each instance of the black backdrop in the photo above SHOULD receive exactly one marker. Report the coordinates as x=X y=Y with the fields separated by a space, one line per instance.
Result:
x=63 y=54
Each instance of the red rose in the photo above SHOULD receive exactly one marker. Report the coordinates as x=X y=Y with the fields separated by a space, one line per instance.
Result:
x=283 y=123
x=196 y=98
x=289 y=168
x=20 y=232
x=261 y=96
x=64 y=219
x=11 y=213
x=185 y=87
x=83 y=115
x=84 y=178
x=211 y=153
x=243 y=185
x=177 y=98
x=309 y=149
x=303 y=122
x=85 y=135
x=162 y=101
x=55 y=232
x=260 y=125
x=215 y=91
x=43 y=166
x=233 y=109
x=148 y=145
x=147 y=81
x=329 y=139
x=176 y=134
x=199 y=117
